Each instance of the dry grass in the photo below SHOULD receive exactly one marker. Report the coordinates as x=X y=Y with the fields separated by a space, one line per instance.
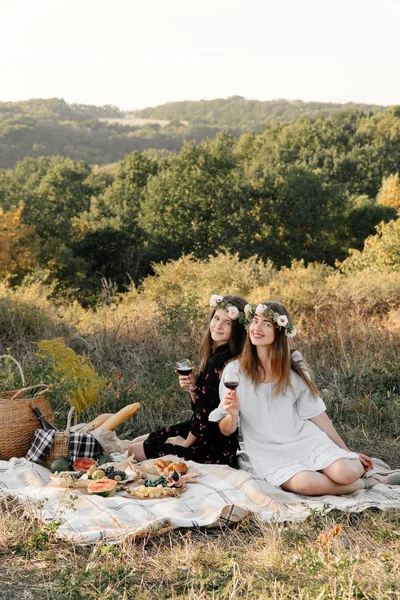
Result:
x=338 y=556
x=348 y=331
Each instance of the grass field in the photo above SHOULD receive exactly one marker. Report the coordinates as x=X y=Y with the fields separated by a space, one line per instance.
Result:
x=337 y=556
x=349 y=331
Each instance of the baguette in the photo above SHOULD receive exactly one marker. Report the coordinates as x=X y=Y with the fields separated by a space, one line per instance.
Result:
x=86 y=427
x=120 y=416
x=99 y=420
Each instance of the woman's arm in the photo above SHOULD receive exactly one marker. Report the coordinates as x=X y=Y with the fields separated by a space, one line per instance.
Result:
x=180 y=441
x=206 y=395
x=230 y=404
x=228 y=425
x=190 y=440
x=323 y=422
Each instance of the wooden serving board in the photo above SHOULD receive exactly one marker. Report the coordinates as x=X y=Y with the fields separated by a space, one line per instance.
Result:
x=176 y=493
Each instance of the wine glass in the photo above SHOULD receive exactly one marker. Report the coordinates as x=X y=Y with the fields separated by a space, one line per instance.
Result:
x=231 y=381
x=184 y=367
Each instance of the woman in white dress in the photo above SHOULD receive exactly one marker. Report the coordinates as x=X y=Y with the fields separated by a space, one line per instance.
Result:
x=288 y=437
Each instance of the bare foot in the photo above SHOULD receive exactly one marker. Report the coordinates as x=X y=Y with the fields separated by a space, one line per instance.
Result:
x=375 y=479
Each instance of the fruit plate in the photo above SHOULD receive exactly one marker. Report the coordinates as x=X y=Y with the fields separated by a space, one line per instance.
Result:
x=66 y=479
x=172 y=492
x=133 y=473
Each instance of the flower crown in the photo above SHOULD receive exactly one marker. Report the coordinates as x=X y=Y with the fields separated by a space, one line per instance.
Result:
x=218 y=302
x=250 y=310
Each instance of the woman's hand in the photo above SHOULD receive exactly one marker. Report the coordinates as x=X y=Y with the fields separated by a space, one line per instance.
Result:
x=230 y=403
x=187 y=382
x=366 y=461
x=176 y=441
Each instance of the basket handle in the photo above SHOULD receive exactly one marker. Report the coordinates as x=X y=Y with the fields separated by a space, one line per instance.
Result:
x=18 y=365
x=32 y=387
x=69 y=419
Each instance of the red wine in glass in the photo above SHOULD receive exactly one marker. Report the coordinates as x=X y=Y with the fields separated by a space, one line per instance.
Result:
x=183 y=371
x=184 y=367
x=231 y=381
x=231 y=385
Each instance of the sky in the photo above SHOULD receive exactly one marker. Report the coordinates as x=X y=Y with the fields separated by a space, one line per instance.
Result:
x=138 y=53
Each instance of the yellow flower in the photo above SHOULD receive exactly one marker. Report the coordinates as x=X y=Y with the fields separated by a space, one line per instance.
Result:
x=73 y=374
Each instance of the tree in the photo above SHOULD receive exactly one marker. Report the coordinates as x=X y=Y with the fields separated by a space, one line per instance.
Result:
x=197 y=204
x=108 y=236
x=61 y=194
x=381 y=251
x=377 y=149
x=10 y=191
x=54 y=191
x=19 y=245
x=389 y=194
x=112 y=254
x=362 y=221
x=301 y=217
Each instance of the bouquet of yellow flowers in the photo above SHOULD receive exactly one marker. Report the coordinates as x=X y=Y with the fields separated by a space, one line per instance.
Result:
x=70 y=374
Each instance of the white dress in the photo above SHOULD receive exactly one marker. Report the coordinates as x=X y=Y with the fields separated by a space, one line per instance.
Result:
x=279 y=438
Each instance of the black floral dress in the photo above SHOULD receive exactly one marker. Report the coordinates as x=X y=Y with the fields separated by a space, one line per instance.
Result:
x=211 y=445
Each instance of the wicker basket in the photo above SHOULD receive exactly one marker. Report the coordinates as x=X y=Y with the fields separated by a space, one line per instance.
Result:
x=18 y=422
x=60 y=448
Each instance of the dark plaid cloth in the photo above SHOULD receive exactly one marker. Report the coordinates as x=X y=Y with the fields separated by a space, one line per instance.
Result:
x=41 y=444
x=81 y=445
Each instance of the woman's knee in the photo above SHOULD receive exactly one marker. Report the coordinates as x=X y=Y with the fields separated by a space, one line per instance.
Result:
x=141 y=438
x=344 y=471
x=137 y=450
x=299 y=483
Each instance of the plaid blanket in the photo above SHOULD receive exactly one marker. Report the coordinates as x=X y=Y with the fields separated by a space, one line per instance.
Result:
x=81 y=445
x=220 y=495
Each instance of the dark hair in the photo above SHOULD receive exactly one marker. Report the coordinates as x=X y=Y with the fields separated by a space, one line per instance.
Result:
x=281 y=363
x=238 y=333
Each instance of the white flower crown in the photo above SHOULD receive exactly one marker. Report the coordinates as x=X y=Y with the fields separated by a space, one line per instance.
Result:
x=250 y=310
x=218 y=302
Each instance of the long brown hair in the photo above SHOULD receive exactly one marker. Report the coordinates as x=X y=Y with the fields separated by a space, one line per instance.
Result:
x=281 y=361
x=238 y=333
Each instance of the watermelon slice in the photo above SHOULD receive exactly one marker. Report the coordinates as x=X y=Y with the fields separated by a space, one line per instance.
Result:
x=102 y=487
x=84 y=464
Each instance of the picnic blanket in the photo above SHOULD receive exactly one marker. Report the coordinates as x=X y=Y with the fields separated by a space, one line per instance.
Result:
x=220 y=495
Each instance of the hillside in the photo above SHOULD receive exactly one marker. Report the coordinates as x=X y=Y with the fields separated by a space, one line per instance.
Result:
x=40 y=127
x=237 y=112
x=104 y=134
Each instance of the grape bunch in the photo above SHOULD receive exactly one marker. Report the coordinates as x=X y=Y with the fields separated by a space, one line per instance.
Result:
x=111 y=473
x=155 y=482
x=78 y=475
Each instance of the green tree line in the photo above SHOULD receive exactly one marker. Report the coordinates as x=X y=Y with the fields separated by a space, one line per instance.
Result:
x=52 y=127
x=248 y=115
x=307 y=190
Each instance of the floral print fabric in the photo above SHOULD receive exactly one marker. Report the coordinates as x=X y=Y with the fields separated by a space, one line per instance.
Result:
x=211 y=445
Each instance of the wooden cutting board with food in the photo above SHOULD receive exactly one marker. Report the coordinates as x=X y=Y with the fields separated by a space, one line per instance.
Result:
x=159 y=479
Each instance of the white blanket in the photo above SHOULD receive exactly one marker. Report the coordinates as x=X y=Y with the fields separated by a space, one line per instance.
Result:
x=220 y=495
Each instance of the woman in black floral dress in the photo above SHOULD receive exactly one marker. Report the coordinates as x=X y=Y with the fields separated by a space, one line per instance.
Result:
x=199 y=439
